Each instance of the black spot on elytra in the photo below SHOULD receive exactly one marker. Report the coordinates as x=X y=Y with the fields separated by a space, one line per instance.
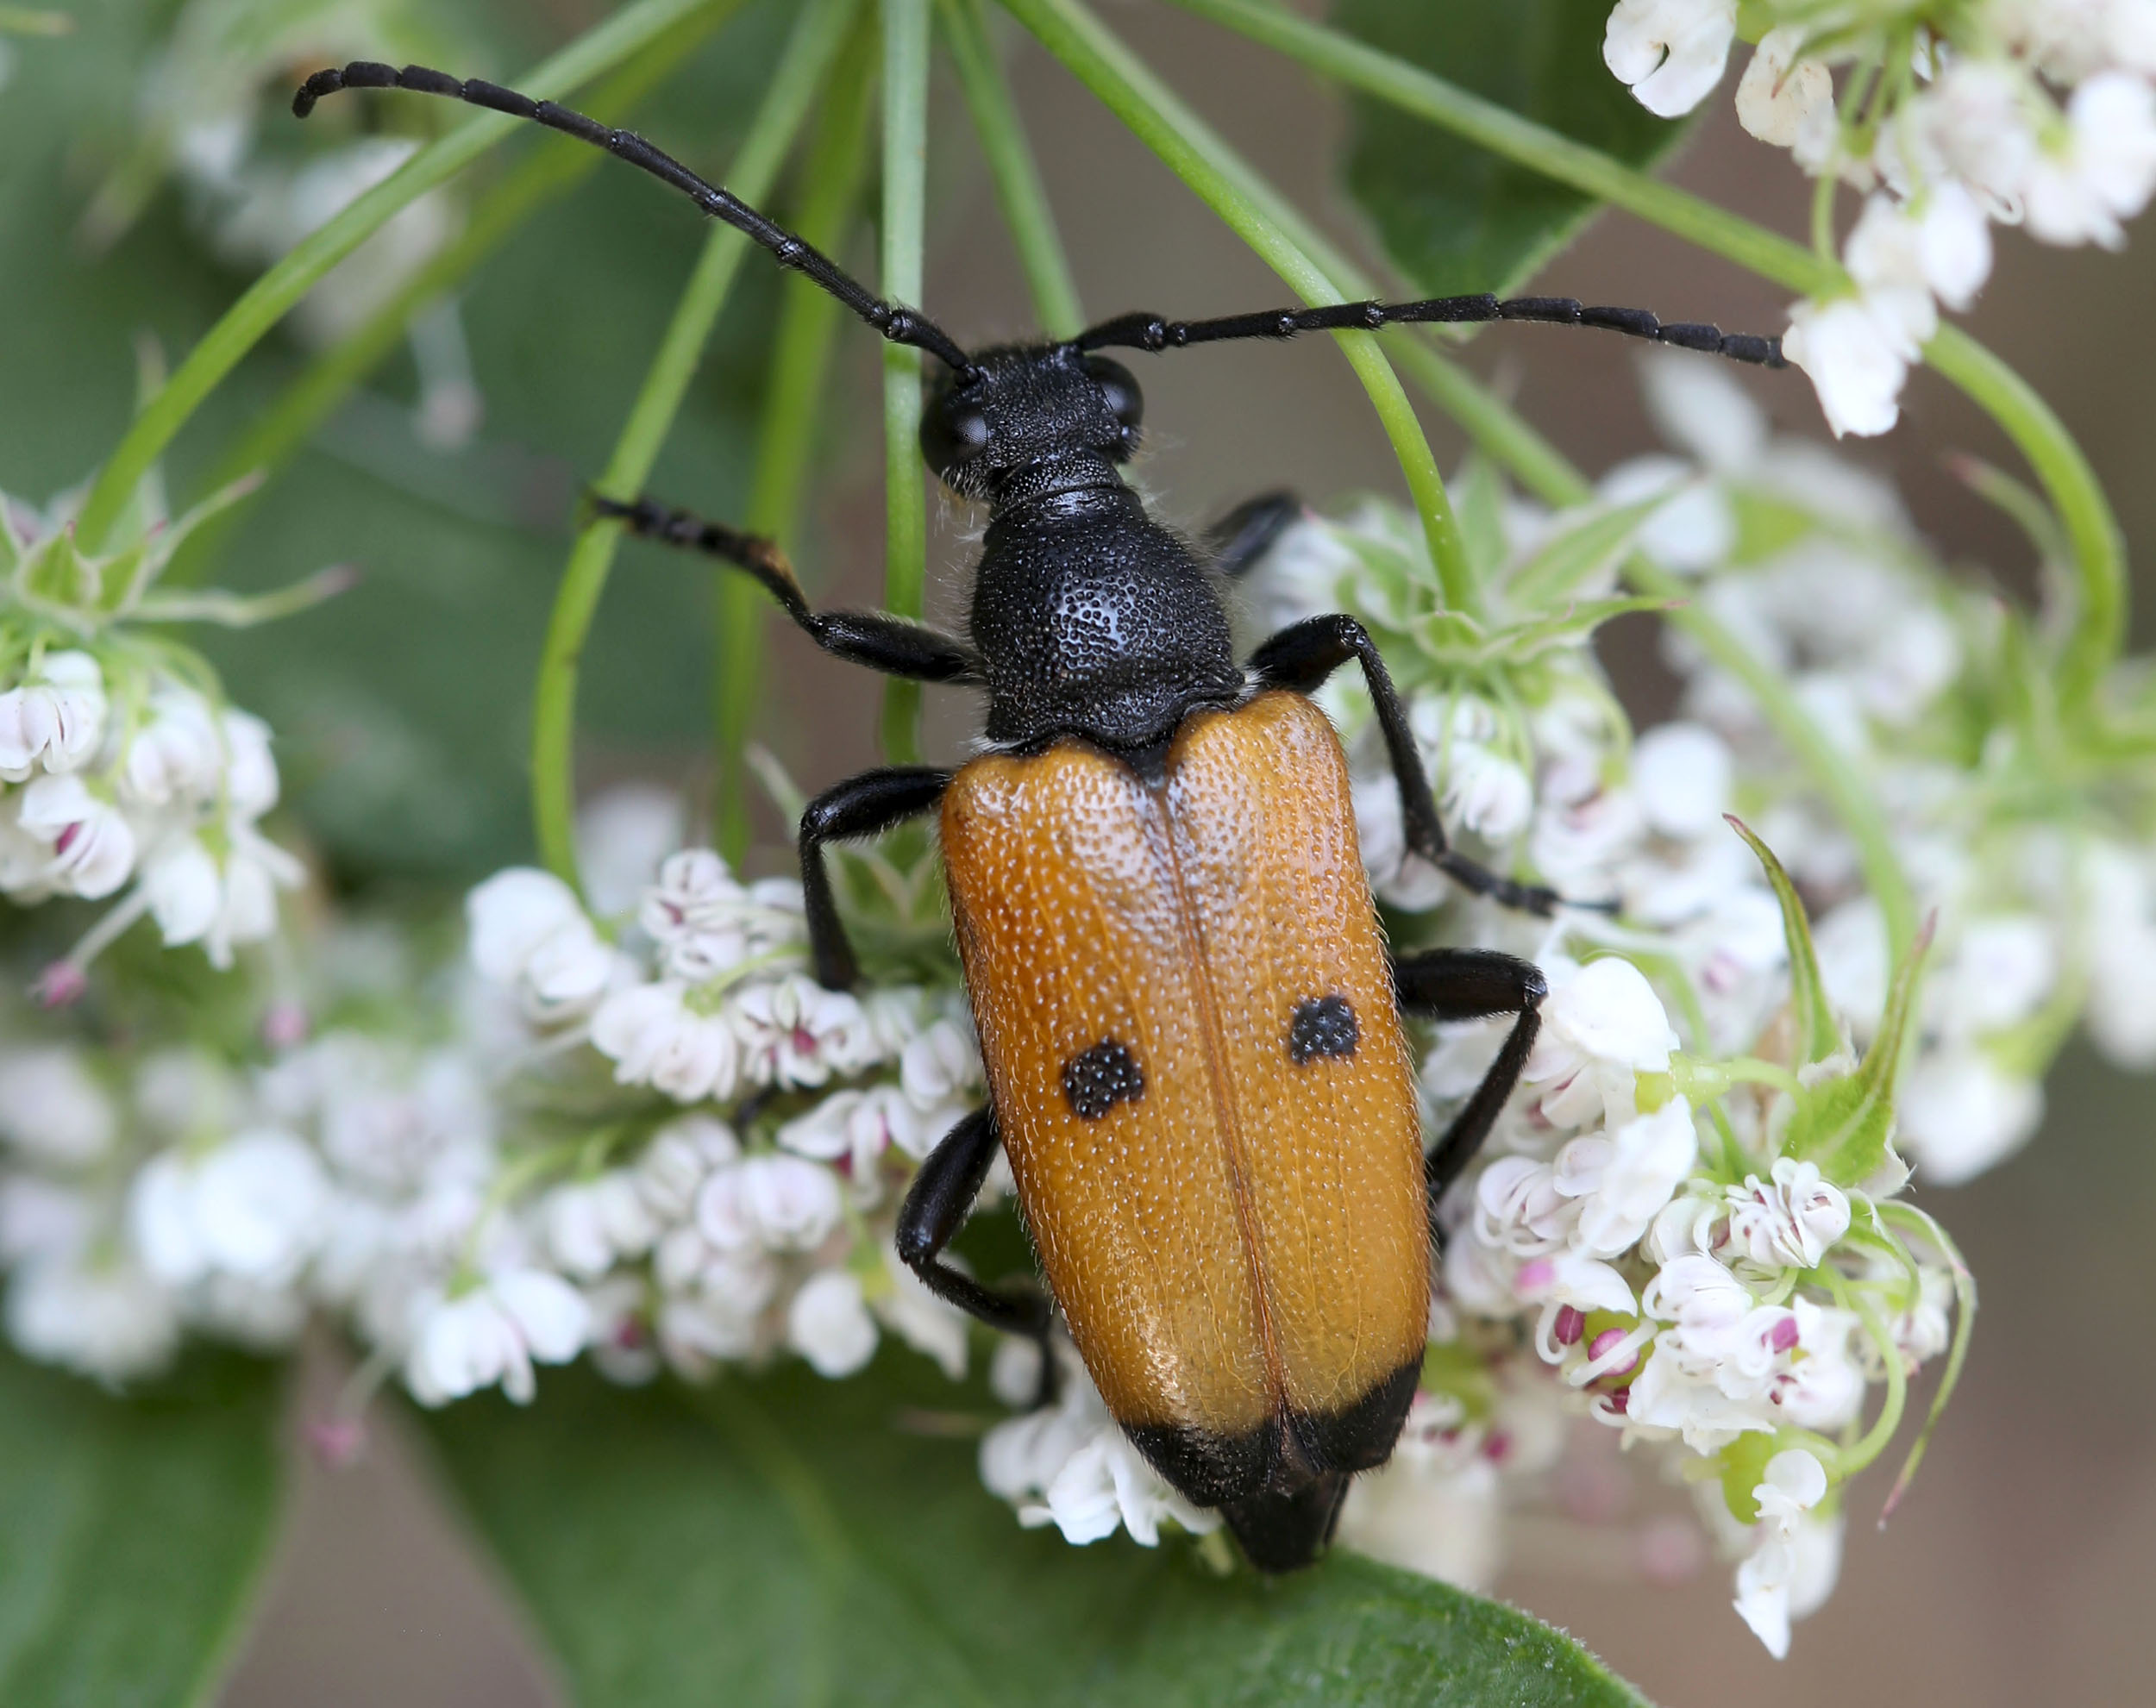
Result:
x=1322 y=1026
x=1097 y=1079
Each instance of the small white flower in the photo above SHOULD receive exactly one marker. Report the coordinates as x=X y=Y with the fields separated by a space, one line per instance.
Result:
x=1601 y=1025
x=1789 y=102
x=656 y=1038
x=1789 y=1223
x=1795 y=1483
x=1972 y=125
x=493 y=1334
x=591 y=1223
x=705 y=924
x=1669 y=51
x=102 y=1319
x=92 y=847
x=1068 y=1465
x=54 y=723
x=256 y=1208
x=794 y=1032
x=176 y=757
x=1682 y=773
x=2105 y=169
x=829 y=1324
x=52 y=1108
x=1486 y=793
x=1900 y=258
x=1959 y=1114
x=621 y=838
x=197 y=898
x=680 y=1154
x=1857 y=359
x=528 y=931
x=793 y=1203
x=1635 y=1170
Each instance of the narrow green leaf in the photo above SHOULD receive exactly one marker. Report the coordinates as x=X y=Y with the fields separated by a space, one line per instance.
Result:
x=1456 y=219
x=1908 y=1218
x=132 y=1531
x=793 y=1539
x=1846 y=1125
x=1817 y=1035
x=1583 y=551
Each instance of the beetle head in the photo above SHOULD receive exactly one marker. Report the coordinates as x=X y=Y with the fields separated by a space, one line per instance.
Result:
x=1028 y=407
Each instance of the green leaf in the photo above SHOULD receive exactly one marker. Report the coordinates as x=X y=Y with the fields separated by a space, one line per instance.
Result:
x=794 y=1540
x=132 y=1531
x=1817 y=1035
x=1455 y=639
x=1584 y=550
x=1456 y=219
x=1846 y=1125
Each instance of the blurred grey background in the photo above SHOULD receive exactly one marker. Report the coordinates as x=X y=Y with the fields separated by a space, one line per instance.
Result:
x=2021 y=1568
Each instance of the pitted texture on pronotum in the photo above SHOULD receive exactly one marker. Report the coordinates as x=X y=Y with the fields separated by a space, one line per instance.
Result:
x=1240 y=1250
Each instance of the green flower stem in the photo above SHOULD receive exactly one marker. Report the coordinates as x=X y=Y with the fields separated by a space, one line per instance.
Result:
x=1859 y=1453
x=906 y=60
x=1018 y=179
x=808 y=56
x=1010 y=160
x=29 y=20
x=267 y=300
x=838 y=157
x=1191 y=149
x=557 y=165
x=2099 y=550
x=1507 y=439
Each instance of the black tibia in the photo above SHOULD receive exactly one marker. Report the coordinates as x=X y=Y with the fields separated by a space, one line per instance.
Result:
x=1246 y=533
x=1472 y=985
x=936 y=1207
x=1151 y=332
x=866 y=805
x=900 y=324
x=1300 y=657
x=890 y=644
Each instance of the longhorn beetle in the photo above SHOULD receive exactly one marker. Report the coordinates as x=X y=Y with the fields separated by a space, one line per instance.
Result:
x=1191 y=1026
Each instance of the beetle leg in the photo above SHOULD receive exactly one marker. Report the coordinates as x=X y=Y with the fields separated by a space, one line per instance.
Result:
x=1471 y=984
x=882 y=643
x=1300 y=657
x=866 y=805
x=936 y=1207
x=1246 y=533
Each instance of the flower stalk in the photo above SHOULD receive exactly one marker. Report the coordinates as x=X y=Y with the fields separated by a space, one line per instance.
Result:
x=906 y=66
x=801 y=71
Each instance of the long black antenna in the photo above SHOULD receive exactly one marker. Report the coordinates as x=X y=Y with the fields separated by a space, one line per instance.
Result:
x=1151 y=332
x=900 y=324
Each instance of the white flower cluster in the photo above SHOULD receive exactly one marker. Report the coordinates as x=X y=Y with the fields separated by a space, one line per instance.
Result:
x=728 y=1195
x=2040 y=113
x=121 y=766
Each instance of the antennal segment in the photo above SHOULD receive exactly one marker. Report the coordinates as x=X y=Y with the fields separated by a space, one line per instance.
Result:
x=900 y=324
x=1151 y=332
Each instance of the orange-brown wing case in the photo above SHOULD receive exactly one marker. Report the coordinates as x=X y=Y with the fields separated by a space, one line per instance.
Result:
x=1198 y=1066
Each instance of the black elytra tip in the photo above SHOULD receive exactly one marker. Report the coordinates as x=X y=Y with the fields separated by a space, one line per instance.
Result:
x=1097 y=1079
x=1322 y=1026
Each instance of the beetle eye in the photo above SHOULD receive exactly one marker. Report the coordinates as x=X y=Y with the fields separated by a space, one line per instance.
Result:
x=953 y=431
x=1118 y=390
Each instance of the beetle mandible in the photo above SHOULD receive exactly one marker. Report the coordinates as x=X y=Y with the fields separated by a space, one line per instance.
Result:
x=1191 y=1025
